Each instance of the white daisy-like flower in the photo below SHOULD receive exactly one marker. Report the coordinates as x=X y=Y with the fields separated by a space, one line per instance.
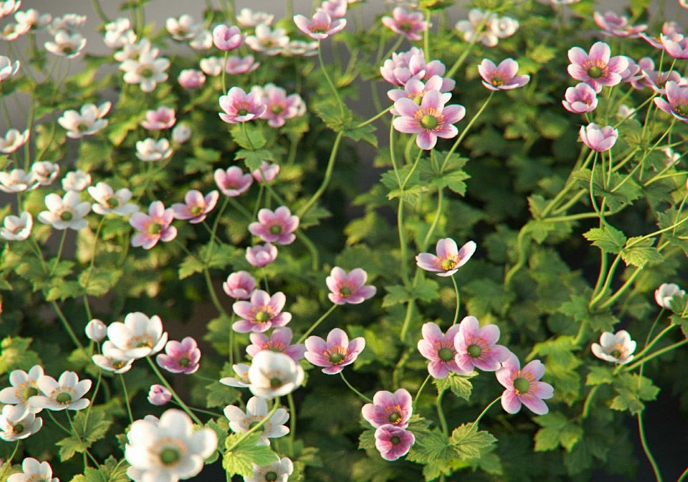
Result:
x=132 y=51
x=212 y=66
x=13 y=140
x=615 y=348
x=69 y=22
x=113 y=359
x=256 y=411
x=248 y=18
x=118 y=33
x=169 y=449
x=76 y=180
x=17 y=228
x=16 y=423
x=63 y=394
x=45 y=172
x=17 y=180
x=8 y=7
x=203 y=40
x=12 y=31
x=110 y=201
x=66 y=45
x=139 y=336
x=274 y=374
x=65 y=212
x=183 y=28
x=277 y=471
x=151 y=150
x=33 y=19
x=241 y=380
x=24 y=386
x=85 y=122
x=7 y=67
x=666 y=292
x=146 y=71
x=268 y=41
x=34 y=471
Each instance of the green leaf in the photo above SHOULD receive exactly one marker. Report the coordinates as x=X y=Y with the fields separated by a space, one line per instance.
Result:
x=599 y=375
x=189 y=266
x=251 y=139
x=69 y=446
x=426 y=289
x=254 y=158
x=62 y=290
x=556 y=430
x=542 y=54
x=362 y=133
x=97 y=282
x=577 y=308
x=239 y=459
x=458 y=384
x=16 y=355
x=367 y=439
x=638 y=252
x=469 y=441
x=220 y=395
x=395 y=294
x=488 y=296
x=607 y=238
x=332 y=116
x=633 y=390
x=537 y=204
x=432 y=447
x=110 y=471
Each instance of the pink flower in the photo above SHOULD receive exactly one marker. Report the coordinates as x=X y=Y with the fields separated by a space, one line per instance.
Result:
x=439 y=349
x=334 y=8
x=279 y=106
x=275 y=226
x=477 y=347
x=260 y=256
x=677 y=101
x=393 y=442
x=196 y=207
x=266 y=172
x=320 y=26
x=278 y=341
x=430 y=120
x=502 y=77
x=612 y=24
x=596 y=68
x=239 y=285
x=580 y=99
x=162 y=118
x=408 y=65
x=415 y=89
x=597 y=139
x=159 y=395
x=228 y=38
x=232 y=182
x=389 y=409
x=238 y=106
x=408 y=24
x=181 y=357
x=240 y=65
x=449 y=258
x=191 y=78
x=523 y=386
x=348 y=288
x=153 y=227
x=261 y=313
x=335 y=353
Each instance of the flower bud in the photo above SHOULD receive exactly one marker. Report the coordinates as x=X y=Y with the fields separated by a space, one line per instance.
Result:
x=159 y=395
x=96 y=330
x=181 y=133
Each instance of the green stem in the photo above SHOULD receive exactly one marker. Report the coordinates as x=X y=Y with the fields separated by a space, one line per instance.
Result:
x=200 y=410
x=458 y=301
x=482 y=414
x=646 y=448
x=213 y=295
x=656 y=354
x=213 y=232
x=683 y=476
x=68 y=327
x=126 y=398
x=255 y=428
x=466 y=51
x=59 y=252
x=315 y=325
x=99 y=11
x=363 y=397
x=440 y=414
x=8 y=463
x=435 y=221
x=374 y=118
x=588 y=399
x=420 y=390
x=426 y=35
x=465 y=130
x=326 y=179
x=329 y=80
x=173 y=392
x=292 y=422
x=315 y=256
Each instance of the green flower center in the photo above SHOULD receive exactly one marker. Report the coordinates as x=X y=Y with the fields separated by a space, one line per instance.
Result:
x=196 y=210
x=146 y=72
x=19 y=428
x=682 y=110
x=82 y=127
x=169 y=456
x=521 y=385
x=262 y=316
x=345 y=291
x=276 y=382
x=428 y=122
x=242 y=112
x=63 y=398
x=448 y=264
x=277 y=109
x=445 y=354
x=184 y=362
x=67 y=49
x=112 y=202
x=615 y=353
x=594 y=72
x=66 y=216
x=395 y=440
x=29 y=392
x=117 y=364
x=271 y=476
x=394 y=417
x=154 y=229
x=336 y=358
x=497 y=81
x=253 y=424
x=275 y=229
x=474 y=351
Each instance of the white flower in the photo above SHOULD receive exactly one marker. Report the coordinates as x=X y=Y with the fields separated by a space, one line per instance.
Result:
x=274 y=374
x=267 y=40
x=13 y=31
x=45 y=172
x=257 y=410
x=110 y=201
x=17 y=423
x=7 y=67
x=113 y=359
x=299 y=47
x=96 y=330
x=469 y=28
x=76 y=181
x=85 y=122
x=242 y=381
x=33 y=19
x=248 y=18
x=203 y=40
x=66 y=45
x=17 y=228
x=277 y=471
x=151 y=150
x=504 y=27
x=146 y=71
x=183 y=28
x=212 y=66
x=616 y=348
x=168 y=450
x=24 y=386
x=69 y=22
x=666 y=292
x=132 y=51
x=34 y=471
x=13 y=140
x=119 y=33
x=8 y=7
x=62 y=394
x=671 y=156
x=139 y=336
x=181 y=133
x=17 y=180
x=65 y=212
x=625 y=112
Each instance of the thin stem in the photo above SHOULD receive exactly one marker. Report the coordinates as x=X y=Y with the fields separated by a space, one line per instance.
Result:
x=126 y=398
x=59 y=252
x=67 y=326
x=656 y=354
x=426 y=34
x=8 y=462
x=99 y=11
x=326 y=179
x=52 y=417
x=646 y=448
x=213 y=295
x=465 y=131
x=374 y=118
x=458 y=301
x=420 y=390
x=588 y=399
x=482 y=414
x=329 y=80
x=363 y=397
x=683 y=476
x=440 y=414
x=315 y=325
x=292 y=422
x=174 y=394
x=256 y=427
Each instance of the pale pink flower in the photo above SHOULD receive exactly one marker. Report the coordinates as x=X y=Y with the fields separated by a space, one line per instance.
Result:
x=69 y=22
x=615 y=348
x=241 y=380
x=17 y=424
x=248 y=18
x=676 y=102
x=408 y=24
x=146 y=70
x=13 y=140
x=183 y=28
x=180 y=357
x=110 y=201
x=66 y=44
x=279 y=341
x=181 y=133
x=196 y=207
x=502 y=77
x=439 y=349
x=17 y=180
x=477 y=347
x=597 y=139
x=239 y=285
x=278 y=471
x=523 y=386
x=321 y=25
x=7 y=67
x=17 y=228
x=8 y=7
x=153 y=227
x=279 y=106
x=416 y=89
x=45 y=172
x=668 y=29
x=240 y=65
x=632 y=73
x=389 y=409
x=275 y=226
x=85 y=122
x=65 y=393
x=430 y=120
x=203 y=40
x=393 y=442
x=666 y=292
x=299 y=47
x=12 y=31
x=261 y=313
x=580 y=99
x=119 y=33
x=159 y=119
x=238 y=106
x=261 y=255
x=469 y=28
x=32 y=469
x=150 y=150
x=65 y=212
x=232 y=182
x=613 y=24
x=449 y=258
x=228 y=38
x=256 y=411
x=503 y=27
x=411 y=65
x=267 y=40
x=348 y=288
x=132 y=51
x=334 y=8
x=335 y=353
x=113 y=359
x=596 y=68
x=76 y=180
x=266 y=172
x=191 y=78
x=274 y=374
x=212 y=66
x=159 y=395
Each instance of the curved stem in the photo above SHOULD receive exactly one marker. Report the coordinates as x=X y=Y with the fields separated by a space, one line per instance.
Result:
x=683 y=476
x=213 y=295
x=465 y=131
x=440 y=414
x=363 y=397
x=588 y=399
x=374 y=118
x=126 y=398
x=458 y=301
x=59 y=252
x=326 y=179
x=420 y=390
x=315 y=325
x=173 y=392
x=482 y=414
x=646 y=448
x=8 y=463
x=656 y=354
x=67 y=326
x=329 y=80
x=256 y=427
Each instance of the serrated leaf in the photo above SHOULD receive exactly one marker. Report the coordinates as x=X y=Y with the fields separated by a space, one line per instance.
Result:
x=367 y=439
x=459 y=385
x=220 y=395
x=69 y=446
x=599 y=375
x=254 y=158
x=251 y=138
x=426 y=289
x=469 y=441
x=362 y=133
x=334 y=116
x=16 y=355
x=110 y=471
x=432 y=447
x=638 y=252
x=240 y=456
x=189 y=266
x=395 y=294
x=556 y=430
x=607 y=238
